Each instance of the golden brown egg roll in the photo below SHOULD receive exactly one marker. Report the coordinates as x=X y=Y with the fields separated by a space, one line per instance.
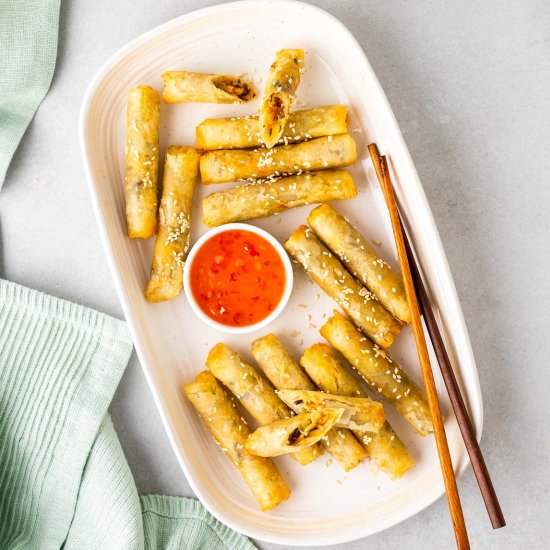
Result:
x=358 y=413
x=278 y=365
x=181 y=169
x=282 y=81
x=384 y=446
x=142 y=143
x=226 y=165
x=285 y=374
x=244 y=132
x=361 y=260
x=378 y=369
x=292 y=434
x=186 y=87
x=254 y=392
x=231 y=432
x=257 y=200
x=329 y=273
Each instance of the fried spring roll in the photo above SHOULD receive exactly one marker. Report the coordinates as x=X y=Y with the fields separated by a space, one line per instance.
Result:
x=181 y=169
x=257 y=200
x=329 y=273
x=383 y=447
x=142 y=143
x=283 y=80
x=226 y=165
x=186 y=87
x=231 y=432
x=292 y=434
x=361 y=260
x=278 y=365
x=380 y=371
x=243 y=132
x=359 y=413
x=285 y=374
x=254 y=392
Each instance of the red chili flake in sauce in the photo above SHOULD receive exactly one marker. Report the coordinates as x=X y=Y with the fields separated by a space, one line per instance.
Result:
x=237 y=278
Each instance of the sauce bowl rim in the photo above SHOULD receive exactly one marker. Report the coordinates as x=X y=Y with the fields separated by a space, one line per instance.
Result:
x=289 y=278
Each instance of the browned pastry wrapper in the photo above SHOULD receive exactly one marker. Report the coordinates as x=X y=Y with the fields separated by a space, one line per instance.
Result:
x=231 y=432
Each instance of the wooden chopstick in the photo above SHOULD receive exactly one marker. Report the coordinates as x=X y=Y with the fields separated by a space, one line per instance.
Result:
x=457 y=402
x=453 y=498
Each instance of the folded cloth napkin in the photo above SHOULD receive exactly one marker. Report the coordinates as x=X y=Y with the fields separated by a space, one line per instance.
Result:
x=64 y=481
x=28 y=48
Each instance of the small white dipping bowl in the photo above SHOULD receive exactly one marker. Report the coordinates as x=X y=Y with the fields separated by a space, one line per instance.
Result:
x=280 y=251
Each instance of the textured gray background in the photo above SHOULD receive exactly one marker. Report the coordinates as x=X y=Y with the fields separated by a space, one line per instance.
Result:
x=470 y=86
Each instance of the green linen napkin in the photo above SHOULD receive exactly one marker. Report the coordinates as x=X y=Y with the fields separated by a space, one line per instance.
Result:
x=64 y=481
x=28 y=48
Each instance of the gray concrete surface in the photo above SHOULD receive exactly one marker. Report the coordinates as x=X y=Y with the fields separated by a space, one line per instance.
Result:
x=470 y=86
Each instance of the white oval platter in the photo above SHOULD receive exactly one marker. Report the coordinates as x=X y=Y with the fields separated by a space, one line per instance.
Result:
x=327 y=506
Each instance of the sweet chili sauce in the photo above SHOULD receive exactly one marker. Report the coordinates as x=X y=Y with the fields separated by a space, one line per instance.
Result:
x=237 y=278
